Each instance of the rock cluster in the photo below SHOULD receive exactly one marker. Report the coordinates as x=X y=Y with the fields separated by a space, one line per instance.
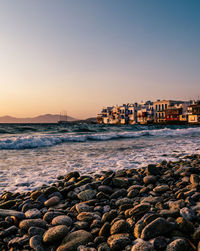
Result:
x=152 y=208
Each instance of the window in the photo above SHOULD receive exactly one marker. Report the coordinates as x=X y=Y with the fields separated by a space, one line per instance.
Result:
x=165 y=106
x=162 y=107
x=156 y=107
x=159 y=107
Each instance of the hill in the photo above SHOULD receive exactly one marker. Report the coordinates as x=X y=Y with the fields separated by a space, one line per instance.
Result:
x=46 y=118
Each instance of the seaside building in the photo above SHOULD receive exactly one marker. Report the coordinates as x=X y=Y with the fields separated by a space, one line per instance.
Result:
x=160 y=107
x=145 y=113
x=194 y=113
x=160 y=111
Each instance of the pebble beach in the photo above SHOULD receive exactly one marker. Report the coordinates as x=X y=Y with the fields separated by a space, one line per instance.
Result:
x=156 y=207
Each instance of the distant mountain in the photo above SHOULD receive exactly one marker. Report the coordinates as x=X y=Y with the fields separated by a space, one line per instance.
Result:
x=46 y=118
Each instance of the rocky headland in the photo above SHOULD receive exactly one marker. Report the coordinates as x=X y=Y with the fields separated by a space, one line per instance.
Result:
x=152 y=208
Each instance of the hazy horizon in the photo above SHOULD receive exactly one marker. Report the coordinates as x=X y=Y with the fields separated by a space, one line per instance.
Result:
x=79 y=56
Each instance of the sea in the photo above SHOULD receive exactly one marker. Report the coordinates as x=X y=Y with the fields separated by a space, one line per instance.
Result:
x=32 y=155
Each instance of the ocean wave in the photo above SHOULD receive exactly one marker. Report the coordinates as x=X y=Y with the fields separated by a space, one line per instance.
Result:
x=47 y=140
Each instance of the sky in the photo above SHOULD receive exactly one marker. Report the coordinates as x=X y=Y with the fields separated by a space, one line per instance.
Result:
x=81 y=55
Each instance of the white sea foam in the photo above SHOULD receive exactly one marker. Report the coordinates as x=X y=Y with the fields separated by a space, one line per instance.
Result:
x=47 y=140
x=38 y=159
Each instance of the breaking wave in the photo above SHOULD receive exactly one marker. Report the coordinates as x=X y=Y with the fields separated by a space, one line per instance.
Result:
x=47 y=140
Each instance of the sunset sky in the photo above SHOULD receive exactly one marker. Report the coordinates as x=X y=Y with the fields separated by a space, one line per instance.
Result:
x=81 y=55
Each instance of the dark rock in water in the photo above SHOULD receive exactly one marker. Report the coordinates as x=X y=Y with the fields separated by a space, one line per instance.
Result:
x=118 y=241
x=73 y=240
x=178 y=245
x=36 y=244
x=18 y=215
x=72 y=175
x=36 y=231
x=26 y=224
x=8 y=204
x=152 y=170
x=105 y=229
x=156 y=228
x=120 y=226
x=142 y=245
x=119 y=182
x=55 y=234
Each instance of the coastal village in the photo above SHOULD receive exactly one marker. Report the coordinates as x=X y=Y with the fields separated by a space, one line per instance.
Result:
x=159 y=112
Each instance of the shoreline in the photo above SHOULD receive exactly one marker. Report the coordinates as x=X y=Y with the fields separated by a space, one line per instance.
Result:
x=151 y=208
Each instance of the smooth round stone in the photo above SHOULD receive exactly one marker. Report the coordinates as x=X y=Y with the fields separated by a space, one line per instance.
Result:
x=33 y=213
x=26 y=224
x=109 y=216
x=35 y=243
x=52 y=201
x=139 y=209
x=82 y=225
x=178 y=245
x=87 y=216
x=142 y=246
x=48 y=217
x=6 y=212
x=105 y=189
x=55 y=234
x=105 y=229
x=36 y=231
x=120 y=226
x=161 y=189
x=82 y=207
x=62 y=220
x=184 y=225
x=18 y=242
x=149 y=179
x=158 y=227
x=50 y=190
x=123 y=201
x=73 y=240
x=87 y=195
x=103 y=247
x=187 y=213
x=35 y=195
x=118 y=241
x=151 y=200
